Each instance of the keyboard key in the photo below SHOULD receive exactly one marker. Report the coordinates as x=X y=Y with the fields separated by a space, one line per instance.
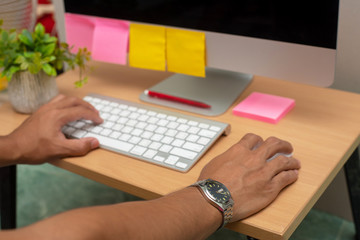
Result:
x=203 y=140
x=106 y=132
x=204 y=125
x=193 y=130
x=125 y=137
x=192 y=138
x=97 y=129
x=108 y=124
x=67 y=130
x=155 y=145
x=207 y=133
x=115 y=135
x=182 y=120
x=79 y=124
x=78 y=133
x=157 y=137
x=134 y=140
x=178 y=142
x=150 y=153
x=171 y=160
x=167 y=140
x=110 y=142
x=138 y=150
x=215 y=128
x=193 y=123
x=159 y=158
x=165 y=148
x=145 y=142
x=146 y=135
x=183 y=153
x=181 y=165
x=193 y=146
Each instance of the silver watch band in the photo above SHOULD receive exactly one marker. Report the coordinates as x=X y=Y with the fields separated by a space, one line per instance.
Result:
x=228 y=214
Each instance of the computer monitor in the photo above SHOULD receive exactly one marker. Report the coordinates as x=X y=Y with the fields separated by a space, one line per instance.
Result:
x=289 y=40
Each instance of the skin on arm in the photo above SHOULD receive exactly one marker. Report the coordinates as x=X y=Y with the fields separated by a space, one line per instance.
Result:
x=253 y=182
x=39 y=138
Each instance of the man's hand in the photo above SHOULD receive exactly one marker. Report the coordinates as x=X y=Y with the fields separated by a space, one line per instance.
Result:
x=253 y=181
x=39 y=138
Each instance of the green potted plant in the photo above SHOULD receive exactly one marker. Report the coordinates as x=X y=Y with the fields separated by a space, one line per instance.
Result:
x=30 y=61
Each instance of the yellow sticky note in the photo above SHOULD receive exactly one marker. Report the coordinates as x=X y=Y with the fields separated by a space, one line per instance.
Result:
x=185 y=52
x=147 y=47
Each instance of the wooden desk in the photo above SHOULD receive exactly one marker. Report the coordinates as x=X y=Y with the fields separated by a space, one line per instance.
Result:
x=323 y=127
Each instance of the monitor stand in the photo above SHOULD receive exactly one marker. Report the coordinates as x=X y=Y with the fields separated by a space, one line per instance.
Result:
x=220 y=88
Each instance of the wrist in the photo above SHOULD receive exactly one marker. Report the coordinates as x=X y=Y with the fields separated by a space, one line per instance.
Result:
x=197 y=210
x=217 y=195
x=208 y=211
x=10 y=153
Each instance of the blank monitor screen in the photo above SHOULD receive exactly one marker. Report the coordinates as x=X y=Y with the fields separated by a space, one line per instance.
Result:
x=302 y=21
x=290 y=40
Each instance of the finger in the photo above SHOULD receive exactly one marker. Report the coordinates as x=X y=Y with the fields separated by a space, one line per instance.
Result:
x=52 y=102
x=79 y=112
x=79 y=147
x=285 y=178
x=274 y=145
x=65 y=102
x=57 y=98
x=251 y=141
x=282 y=163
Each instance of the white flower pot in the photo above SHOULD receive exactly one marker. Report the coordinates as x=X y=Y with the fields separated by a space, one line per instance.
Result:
x=27 y=92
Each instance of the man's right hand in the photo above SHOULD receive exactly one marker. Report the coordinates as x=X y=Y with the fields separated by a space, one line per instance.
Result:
x=253 y=181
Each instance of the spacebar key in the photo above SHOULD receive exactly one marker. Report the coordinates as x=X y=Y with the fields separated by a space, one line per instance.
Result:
x=111 y=142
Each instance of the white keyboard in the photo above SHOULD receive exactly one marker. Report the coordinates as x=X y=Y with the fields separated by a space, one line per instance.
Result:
x=165 y=138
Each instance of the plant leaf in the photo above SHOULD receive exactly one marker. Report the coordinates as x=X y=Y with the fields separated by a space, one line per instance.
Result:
x=48 y=69
x=48 y=49
x=26 y=38
x=29 y=54
x=48 y=39
x=4 y=36
x=24 y=65
x=20 y=59
x=10 y=72
x=39 y=30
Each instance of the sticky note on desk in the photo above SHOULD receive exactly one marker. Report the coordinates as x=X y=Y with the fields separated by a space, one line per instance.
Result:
x=264 y=107
x=185 y=52
x=147 y=47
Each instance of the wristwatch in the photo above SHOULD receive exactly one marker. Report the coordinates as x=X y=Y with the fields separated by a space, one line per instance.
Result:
x=217 y=195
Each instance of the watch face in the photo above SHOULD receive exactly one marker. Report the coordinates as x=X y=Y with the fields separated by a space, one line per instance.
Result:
x=218 y=192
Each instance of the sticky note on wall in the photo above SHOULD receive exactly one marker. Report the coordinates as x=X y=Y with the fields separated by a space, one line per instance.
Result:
x=185 y=52
x=147 y=47
x=105 y=38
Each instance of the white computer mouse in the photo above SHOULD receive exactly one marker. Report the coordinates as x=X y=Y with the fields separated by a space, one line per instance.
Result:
x=278 y=154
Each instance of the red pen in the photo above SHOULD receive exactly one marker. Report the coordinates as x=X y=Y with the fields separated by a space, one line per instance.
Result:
x=176 y=99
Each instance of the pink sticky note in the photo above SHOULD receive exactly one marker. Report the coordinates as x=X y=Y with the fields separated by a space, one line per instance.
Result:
x=264 y=107
x=79 y=31
x=110 y=42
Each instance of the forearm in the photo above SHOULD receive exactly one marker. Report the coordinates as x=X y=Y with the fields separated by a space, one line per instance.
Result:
x=8 y=151
x=181 y=215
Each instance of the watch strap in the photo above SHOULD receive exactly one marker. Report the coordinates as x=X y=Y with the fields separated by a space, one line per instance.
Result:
x=225 y=209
